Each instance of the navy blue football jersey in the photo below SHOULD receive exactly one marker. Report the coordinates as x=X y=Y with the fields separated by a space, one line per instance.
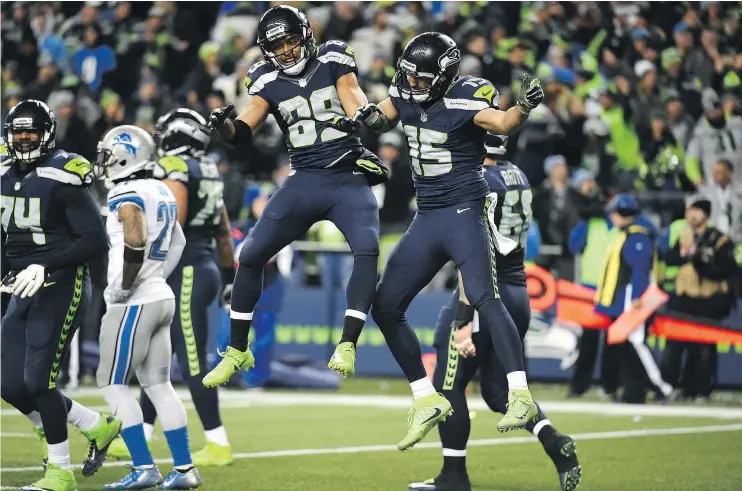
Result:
x=305 y=106
x=35 y=224
x=512 y=217
x=205 y=200
x=446 y=147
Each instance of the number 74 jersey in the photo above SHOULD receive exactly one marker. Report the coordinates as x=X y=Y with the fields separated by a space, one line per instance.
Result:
x=161 y=213
x=446 y=147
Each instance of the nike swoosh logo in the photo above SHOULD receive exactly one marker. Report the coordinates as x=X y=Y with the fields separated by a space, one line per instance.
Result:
x=462 y=211
x=50 y=283
x=437 y=413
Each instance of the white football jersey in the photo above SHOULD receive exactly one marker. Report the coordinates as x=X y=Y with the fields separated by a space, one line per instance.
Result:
x=161 y=213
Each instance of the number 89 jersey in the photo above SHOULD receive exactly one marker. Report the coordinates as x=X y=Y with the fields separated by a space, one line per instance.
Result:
x=446 y=147
x=205 y=199
x=513 y=217
x=304 y=106
x=160 y=212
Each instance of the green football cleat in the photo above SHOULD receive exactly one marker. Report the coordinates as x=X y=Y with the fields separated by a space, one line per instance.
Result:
x=55 y=479
x=100 y=439
x=426 y=412
x=232 y=361
x=213 y=455
x=343 y=361
x=44 y=448
x=521 y=410
x=118 y=449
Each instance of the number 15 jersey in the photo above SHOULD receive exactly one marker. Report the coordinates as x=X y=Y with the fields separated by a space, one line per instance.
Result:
x=160 y=212
x=446 y=147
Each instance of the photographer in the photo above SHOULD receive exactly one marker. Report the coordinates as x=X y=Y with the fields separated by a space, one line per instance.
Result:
x=705 y=257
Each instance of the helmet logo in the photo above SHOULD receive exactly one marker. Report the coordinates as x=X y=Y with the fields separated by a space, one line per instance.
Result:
x=453 y=55
x=274 y=32
x=406 y=65
x=124 y=139
x=23 y=123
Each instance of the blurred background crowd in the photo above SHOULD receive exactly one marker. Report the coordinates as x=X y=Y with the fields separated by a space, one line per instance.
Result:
x=641 y=97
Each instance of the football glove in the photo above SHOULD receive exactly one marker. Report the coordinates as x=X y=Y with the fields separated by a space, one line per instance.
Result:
x=227 y=296
x=7 y=284
x=346 y=124
x=28 y=281
x=531 y=94
x=219 y=116
x=120 y=296
x=371 y=116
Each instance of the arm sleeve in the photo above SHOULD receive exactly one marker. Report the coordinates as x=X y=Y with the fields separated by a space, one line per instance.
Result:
x=578 y=238
x=177 y=245
x=638 y=252
x=89 y=232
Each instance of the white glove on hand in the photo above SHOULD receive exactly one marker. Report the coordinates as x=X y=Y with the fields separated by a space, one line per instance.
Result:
x=7 y=284
x=28 y=281
x=226 y=297
x=120 y=296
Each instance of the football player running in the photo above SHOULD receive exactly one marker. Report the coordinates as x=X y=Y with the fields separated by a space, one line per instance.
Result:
x=146 y=245
x=51 y=229
x=306 y=87
x=446 y=117
x=462 y=347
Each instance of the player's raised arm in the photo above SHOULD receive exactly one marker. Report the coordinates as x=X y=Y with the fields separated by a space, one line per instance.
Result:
x=239 y=131
x=510 y=121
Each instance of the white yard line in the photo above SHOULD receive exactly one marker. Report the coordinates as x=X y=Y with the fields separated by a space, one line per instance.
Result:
x=235 y=398
x=607 y=435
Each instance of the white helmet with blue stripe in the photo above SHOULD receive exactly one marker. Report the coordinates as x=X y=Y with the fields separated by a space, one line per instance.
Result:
x=125 y=151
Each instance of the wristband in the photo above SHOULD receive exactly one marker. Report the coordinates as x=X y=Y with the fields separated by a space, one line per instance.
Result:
x=242 y=134
x=464 y=315
x=227 y=275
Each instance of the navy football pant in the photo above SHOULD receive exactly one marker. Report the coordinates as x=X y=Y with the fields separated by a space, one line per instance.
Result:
x=195 y=286
x=461 y=234
x=35 y=335
x=453 y=372
x=305 y=198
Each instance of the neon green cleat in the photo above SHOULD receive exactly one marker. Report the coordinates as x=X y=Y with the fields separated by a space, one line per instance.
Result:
x=232 y=361
x=44 y=448
x=118 y=449
x=343 y=361
x=521 y=410
x=100 y=439
x=426 y=412
x=213 y=455
x=55 y=479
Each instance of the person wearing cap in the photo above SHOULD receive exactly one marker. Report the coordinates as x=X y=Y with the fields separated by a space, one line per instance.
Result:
x=705 y=257
x=715 y=137
x=627 y=272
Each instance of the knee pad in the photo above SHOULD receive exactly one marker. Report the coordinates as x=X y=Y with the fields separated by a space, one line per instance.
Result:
x=366 y=243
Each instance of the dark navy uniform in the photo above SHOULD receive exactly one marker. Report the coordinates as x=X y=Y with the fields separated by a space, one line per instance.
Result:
x=196 y=280
x=330 y=175
x=447 y=151
x=513 y=216
x=49 y=218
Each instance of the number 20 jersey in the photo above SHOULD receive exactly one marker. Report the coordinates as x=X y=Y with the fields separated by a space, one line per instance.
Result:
x=446 y=147
x=205 y=199
x=305 y=106
x=161 y=212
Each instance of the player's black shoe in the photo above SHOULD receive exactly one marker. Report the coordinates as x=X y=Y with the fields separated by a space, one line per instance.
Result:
x=448 y=481
x=99 y=438
x=562 y=451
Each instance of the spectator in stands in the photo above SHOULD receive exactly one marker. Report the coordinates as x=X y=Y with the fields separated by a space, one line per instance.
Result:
x=344 y=20
x=72 y=133
x=94 y=59
x=726 y=201
x=715 y=137
x=705 y=257
x=46 y=81
x=396 y=195
x=378 y=37
x=663 y=155
x=680 y=123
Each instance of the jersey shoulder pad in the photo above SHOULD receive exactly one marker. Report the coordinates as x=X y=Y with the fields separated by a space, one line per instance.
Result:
x=472 y=94
x=125 y=193
x=337 y=54
x=258 y=77
x=171 y=167
x=67 y=168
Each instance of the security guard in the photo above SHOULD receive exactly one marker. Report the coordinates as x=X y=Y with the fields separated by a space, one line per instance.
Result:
x=627 y=273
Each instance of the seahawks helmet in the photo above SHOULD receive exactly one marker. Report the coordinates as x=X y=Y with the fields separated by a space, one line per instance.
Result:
x=432 y=56
x=124 y=152
x=30 y=116
x=275 y=27
x=182 y=131
x=496 y=145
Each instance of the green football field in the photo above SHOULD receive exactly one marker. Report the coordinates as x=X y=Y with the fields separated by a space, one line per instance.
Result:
x=347 y=441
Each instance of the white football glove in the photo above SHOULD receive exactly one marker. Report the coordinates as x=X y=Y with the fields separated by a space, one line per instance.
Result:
x=120 y=296
x=28 y=281
x=7 y=284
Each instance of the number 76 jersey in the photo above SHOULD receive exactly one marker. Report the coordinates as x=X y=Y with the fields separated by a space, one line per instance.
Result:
x=160 y=213
x=446 y=147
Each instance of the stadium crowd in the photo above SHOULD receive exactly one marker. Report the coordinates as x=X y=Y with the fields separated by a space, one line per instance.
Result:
x=641 y=97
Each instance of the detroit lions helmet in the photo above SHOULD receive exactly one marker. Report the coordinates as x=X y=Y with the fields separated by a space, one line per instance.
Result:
x=125 y=151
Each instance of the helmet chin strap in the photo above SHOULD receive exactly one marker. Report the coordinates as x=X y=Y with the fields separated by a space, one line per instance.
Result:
x=298 y=67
